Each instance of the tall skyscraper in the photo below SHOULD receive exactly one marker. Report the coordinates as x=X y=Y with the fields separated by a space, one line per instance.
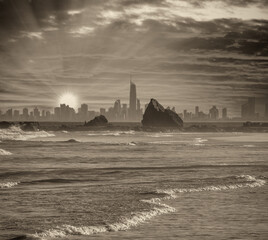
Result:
x=266 y=111
x=251 y=105
x=132 y=101
x=196 y=111
x=248 y=109
x=224 y=113
x=214 y=113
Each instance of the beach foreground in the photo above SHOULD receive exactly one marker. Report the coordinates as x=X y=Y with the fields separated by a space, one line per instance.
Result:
x=133 y=185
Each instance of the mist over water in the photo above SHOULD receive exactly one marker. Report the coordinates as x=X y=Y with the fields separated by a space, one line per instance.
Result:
x=133 y=185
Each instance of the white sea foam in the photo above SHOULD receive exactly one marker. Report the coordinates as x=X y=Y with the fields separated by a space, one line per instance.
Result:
x=137 y=218
x=4 y=152
x=111 y=133
x=199 y=141
x=251 y=182
x=15 y=133
x=249 y=146
x=8 y=184
x=64 y=131
x=123 y=225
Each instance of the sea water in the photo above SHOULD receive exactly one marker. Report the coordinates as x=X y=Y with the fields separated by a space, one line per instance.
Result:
x=133 y=185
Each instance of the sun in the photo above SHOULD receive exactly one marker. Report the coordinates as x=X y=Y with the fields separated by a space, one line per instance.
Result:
x=68 y=98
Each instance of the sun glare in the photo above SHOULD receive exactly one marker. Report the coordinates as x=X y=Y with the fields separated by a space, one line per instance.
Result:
x=68 y=99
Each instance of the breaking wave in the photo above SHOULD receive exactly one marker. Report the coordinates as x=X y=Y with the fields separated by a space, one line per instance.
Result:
x=157 y=208
x=4 y=152
x=15 y=133
x=125 y=223
x=8 y=184
x=111 y=133
x=251 y=182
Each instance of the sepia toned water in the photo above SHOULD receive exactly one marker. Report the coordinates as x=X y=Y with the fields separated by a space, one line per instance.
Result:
x=133 y=185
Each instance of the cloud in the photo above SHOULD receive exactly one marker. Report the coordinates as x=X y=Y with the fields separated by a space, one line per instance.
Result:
x=33 y=35
x=81 y=31
x=74 y=12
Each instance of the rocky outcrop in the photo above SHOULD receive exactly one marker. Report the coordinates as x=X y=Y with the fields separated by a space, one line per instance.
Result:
x=6 y=124
x=98 y=121
x=157 y=116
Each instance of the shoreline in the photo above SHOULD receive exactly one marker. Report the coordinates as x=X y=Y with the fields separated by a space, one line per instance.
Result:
x=261 y=127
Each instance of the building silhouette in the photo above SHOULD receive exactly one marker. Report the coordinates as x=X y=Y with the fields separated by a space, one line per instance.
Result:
x=214 y=113
x=224 y=113
x=248 y=109
x=132 y=102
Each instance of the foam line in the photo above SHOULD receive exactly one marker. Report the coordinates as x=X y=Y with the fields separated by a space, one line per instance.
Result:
x=8 y=184
x=158 y=208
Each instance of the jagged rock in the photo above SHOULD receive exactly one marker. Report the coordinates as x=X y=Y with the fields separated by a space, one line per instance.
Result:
x=157 y=116
x=97 y=121
x=6 y=124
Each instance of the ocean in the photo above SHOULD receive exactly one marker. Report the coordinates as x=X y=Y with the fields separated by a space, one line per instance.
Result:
x=133 y=185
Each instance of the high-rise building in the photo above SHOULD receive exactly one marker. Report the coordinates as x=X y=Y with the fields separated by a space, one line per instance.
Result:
x=9 y=114
x=266 y=111
x=57 y=113
x=214 y=113
x=248 y=109
x=132 y=101
x=196 y=111
x=224 y=113
x=16 y=115
x=251 y=105
x=25 y=114
x=117 y=109
x=84 y=112
x=36 y=113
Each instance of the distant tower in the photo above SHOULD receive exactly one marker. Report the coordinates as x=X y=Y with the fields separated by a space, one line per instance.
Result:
x=266 y=111
x=251 y=105
x=224 y=113
x=132 y=101
x=196 y=111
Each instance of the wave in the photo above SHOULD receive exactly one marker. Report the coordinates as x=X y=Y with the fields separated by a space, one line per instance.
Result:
x=4 y=152
x=132 y=144
x=8 y=184
x=123 y=225
x=111 y=133
x=15 y=133
x=251 y=182
x=199 y=141
x=137 y=218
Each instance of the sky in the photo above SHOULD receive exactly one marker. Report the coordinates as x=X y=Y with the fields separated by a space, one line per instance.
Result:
x=184 y=53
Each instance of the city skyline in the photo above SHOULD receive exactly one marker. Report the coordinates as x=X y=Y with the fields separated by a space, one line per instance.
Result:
x=128 y=113
x=184 y=53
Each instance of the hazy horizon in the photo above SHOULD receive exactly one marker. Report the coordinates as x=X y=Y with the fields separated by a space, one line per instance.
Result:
x=183 y=53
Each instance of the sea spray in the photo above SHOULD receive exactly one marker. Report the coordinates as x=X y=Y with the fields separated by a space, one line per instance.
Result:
x=8 y=184
x=15 y=133
x=4 y=152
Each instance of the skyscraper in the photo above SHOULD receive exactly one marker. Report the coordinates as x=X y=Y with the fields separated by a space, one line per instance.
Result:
x=224 y=113
x=266 y=111
x=248 y=109
x=214 y=113
x=132 y=101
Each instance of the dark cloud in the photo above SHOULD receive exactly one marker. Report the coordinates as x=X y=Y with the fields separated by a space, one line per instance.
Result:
x=239 y=3
x=91 y=47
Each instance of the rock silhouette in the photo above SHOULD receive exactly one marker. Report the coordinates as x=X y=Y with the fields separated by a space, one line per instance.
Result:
x=157 y=116
x=97 y=121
